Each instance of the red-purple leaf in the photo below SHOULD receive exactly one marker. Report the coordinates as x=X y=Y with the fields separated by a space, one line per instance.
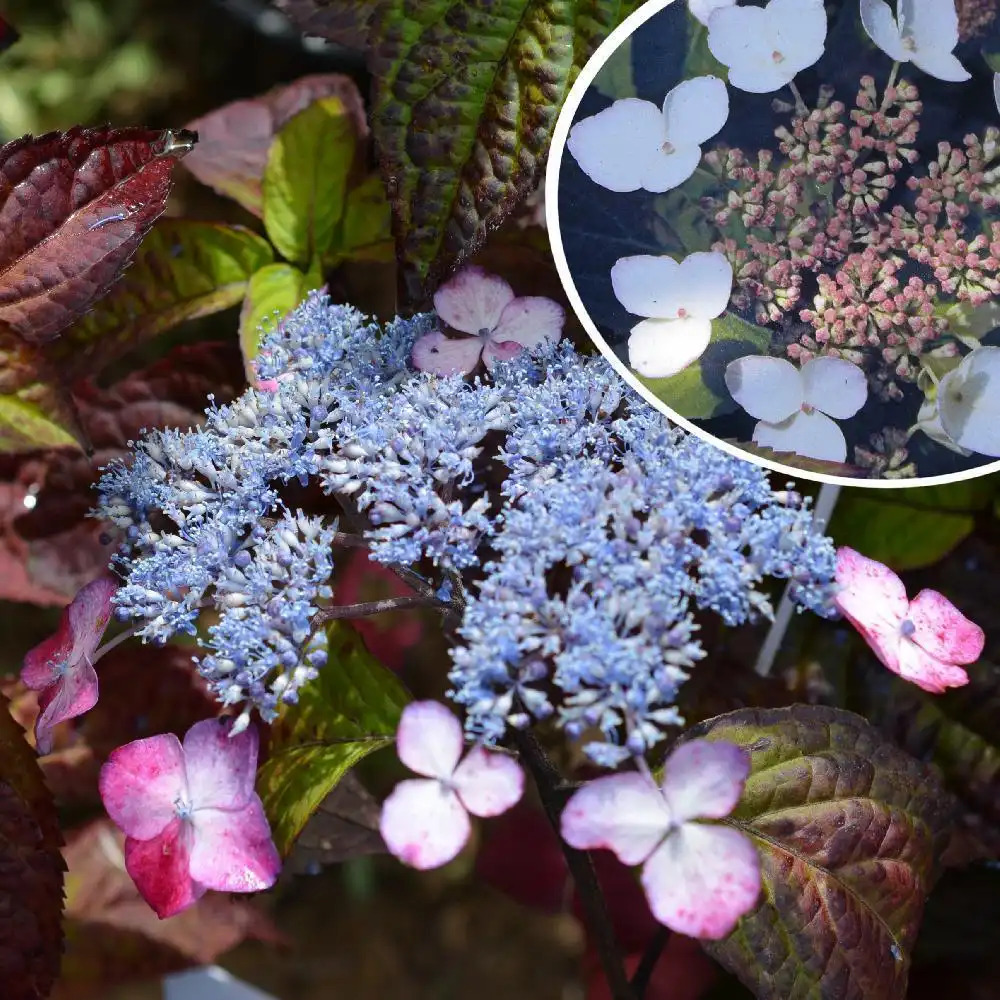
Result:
x=233 y=140
x=31 y=867
x=74 y=207
x=345 y=23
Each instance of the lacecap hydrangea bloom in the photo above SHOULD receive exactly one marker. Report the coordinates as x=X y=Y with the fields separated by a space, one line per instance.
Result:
x=568 y=529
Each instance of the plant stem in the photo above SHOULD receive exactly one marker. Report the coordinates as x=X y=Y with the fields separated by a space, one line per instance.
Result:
x=111 y=643
x=889 y=85
x=374 y=608
x=800 y=105
x=548 y=779
x=644 y=972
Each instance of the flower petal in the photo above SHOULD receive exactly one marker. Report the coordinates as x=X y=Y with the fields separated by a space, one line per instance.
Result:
x=740 y=36
x=799 y=29
x=80 y=629
x=488 y=783
x=705 y=778
x=232 y=850
x=441 y=355
x=940 y=64
x=996 y=90
x=702 y=879
x=659 y=348
x=835 y=386
x=624 y=813
x=429 y=739
x=141 y=782
x=932 y=24
x=701 y=10
x=767 y=388
x=928 y=672
x=648 y=286
x=159 y=868
x=472 y=300
x=221 y=769
x=706 y=280
x=615 y=147
x=72 y=695
x=424 y=824
x=878 y=21
x=811 y=435
x=969 y=402
x=942 y=630
x=873 y=599
x=666 y=171
x=530 y=320
x=695 y=110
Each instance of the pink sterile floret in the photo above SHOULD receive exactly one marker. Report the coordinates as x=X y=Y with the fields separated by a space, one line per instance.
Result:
x=190 y=814
x=500 y=324
x=425 y=822
x=62 y=667
x=925 y=640
x=699 y=878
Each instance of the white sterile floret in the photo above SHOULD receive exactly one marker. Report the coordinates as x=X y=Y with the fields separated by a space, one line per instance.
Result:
x=795 y=405
x=765 y=47
x=634 y=144
x=969 y=402
x=924 y=32
x=701 y=10
x=679 y=301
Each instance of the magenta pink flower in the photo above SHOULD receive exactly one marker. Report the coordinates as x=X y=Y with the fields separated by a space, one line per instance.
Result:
x=61 y=668
x=925 y=640
x=699 y=878
x=425 y=822
x=191 y=818
x=501 y=325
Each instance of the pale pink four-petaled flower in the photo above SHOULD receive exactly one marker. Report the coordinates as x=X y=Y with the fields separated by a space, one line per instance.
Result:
x=61 y=668
x=499 y=324
x=926 y=641
x=699 y=878
x=425 y=822
x=190 y=814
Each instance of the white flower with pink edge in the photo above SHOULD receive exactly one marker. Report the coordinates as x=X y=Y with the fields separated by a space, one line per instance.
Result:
x=699 y=877
x=425 y=821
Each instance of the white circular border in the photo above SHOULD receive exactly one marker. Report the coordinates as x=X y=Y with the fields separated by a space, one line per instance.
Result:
x=561 y=133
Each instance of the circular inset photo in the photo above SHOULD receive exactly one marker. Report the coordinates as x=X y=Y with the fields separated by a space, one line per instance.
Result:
x=781 y=222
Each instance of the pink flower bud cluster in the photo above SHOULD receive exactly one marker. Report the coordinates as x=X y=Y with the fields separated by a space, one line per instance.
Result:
x=974 y=17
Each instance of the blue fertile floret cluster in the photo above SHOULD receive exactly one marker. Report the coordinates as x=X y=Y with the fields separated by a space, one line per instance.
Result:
x=577 y=531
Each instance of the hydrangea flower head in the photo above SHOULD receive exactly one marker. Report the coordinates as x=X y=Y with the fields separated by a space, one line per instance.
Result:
x=499 y=324
x=795 y=405
x=680 y=300
x=634 y=144
x=924 y=32
x=766 y=47
x=699 y=878
x=425 y=822
x=62 y=667
x=926 y=641
x=191 y=817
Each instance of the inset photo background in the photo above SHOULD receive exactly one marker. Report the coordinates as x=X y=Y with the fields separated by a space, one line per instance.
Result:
x=788 y=235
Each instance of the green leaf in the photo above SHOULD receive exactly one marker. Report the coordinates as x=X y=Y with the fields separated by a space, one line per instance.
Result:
x=275 y=289
x=305 y=180
x=26 y=426
x=365 y=233
x=847 y=827
x=615 y=78
x=959 y=732
x=349 y=711
x=700 y=61
x=466 y=97
x=184 y=269
x=699 y=392
x=910 y=528
x=967 y=320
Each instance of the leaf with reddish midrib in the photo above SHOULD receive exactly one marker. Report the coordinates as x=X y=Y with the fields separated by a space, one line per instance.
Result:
x=74 y=207
x=848 y=828
x=466 y=98
x=31 y=871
